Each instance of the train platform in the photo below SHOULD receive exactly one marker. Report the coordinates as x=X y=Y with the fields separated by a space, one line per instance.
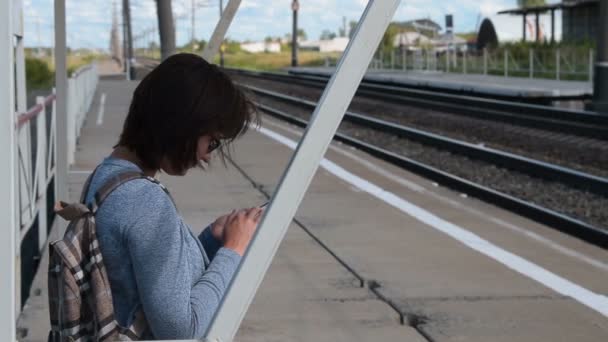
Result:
x=450 y=267
x=472 y=84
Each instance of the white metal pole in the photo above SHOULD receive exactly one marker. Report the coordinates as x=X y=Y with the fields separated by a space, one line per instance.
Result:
x=61 y=86
x=392 y=59
x=591 y=65
x=447 y=60
x=506 y=63
x=531 y=62
x=41 y=172
x=404 y=59
x=557 y=64
x=8 y=176
x=485 y=61
x=302 y=167
x=464 y=62
x=219 y=33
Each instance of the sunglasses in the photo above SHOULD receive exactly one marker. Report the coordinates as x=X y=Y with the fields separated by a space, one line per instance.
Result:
x=213 y=145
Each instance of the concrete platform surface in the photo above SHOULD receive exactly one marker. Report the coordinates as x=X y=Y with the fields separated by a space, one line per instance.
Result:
x=472 y=83
x=444 y=289
x=306 y=295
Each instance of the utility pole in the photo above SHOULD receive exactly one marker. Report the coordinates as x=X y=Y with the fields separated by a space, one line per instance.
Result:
x=600 y=84
x=221 y=45
x=295 y=6
x=165 y=28
x=193 y=35
x=124 y=40
x=114 y=36
x=129 y=39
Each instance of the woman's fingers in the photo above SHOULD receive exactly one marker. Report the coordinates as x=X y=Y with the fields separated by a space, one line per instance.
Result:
x=253 y=213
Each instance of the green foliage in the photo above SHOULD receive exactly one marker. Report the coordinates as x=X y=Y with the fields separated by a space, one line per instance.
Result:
x=231 y=46
x=352 y=25
x=388 y=40
x=327 y=35
x=275 y=61
x=302 y=34
x=38 y=75
x=530 y=3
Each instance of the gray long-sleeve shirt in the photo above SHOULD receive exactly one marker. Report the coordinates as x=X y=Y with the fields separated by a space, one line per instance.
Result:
x=154 y=261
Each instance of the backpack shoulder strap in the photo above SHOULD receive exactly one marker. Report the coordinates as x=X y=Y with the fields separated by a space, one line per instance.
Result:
x=87 y=184
x=115 y=182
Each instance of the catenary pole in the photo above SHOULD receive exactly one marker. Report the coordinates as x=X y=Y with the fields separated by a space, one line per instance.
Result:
x=295 y=7
x=221 y=45
x=600 y=86
x=129 y=37
x=166 y=29
x=212 y=48
x=301 y=169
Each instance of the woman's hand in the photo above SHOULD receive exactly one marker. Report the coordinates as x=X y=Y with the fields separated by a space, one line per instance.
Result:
x=218 y=226
x=239 y=228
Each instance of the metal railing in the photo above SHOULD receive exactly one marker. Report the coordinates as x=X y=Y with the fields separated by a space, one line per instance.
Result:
x=557 y=63
x=81 y=90
x=36 y=165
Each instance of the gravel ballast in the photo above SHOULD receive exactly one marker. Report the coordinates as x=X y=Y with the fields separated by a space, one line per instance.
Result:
x=582 y=205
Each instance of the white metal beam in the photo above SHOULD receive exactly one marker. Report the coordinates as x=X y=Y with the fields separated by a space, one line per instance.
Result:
x=61 y=86
x=302 y=167
x=221 y=28
x=8 y=178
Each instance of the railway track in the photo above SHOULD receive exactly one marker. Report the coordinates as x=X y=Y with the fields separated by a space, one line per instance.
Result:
x=555 y=219
x=583 y=154
x=571 y=122
x=512 y=161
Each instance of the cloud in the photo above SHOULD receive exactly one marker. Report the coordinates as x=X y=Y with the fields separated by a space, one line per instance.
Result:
x=89 y=22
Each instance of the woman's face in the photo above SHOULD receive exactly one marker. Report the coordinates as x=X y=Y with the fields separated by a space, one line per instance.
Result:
x=202 y=153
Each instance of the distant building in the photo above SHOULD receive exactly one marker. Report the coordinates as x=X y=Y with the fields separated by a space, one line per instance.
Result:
x=580 y=19
x=415 y=41
x=426 y=27
x=337 y=44
x=410 y=39
x=451 y=41
x=259 y=47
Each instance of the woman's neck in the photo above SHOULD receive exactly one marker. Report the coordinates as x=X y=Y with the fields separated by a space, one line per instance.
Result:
x=122 y=152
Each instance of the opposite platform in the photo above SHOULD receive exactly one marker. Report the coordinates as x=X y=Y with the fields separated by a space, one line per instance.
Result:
x=472 y=84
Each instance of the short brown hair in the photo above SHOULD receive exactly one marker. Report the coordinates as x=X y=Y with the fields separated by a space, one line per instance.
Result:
x=182 y=99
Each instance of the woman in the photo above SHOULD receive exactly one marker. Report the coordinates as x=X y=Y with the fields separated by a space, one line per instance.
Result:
x=180 y=113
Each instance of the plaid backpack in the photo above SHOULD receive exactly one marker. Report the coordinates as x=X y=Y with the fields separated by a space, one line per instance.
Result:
x=80 y=297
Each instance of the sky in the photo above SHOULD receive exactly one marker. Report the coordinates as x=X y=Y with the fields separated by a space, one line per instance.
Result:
x=89 y=21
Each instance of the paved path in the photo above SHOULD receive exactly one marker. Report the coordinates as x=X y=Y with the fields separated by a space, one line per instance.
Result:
x=110 y=69
x=446 y=290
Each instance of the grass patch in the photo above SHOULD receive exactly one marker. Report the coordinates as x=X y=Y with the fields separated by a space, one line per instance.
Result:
x=276 y=61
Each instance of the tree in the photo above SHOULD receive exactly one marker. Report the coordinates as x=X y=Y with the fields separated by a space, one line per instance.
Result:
x=388 y=40
x=302 y=34
x=351 y=28
x=327 y=35
x=530 y=3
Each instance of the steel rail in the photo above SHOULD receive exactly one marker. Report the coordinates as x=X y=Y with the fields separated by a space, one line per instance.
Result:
x=583 y=123
x=536 y=168
x=552 y=219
